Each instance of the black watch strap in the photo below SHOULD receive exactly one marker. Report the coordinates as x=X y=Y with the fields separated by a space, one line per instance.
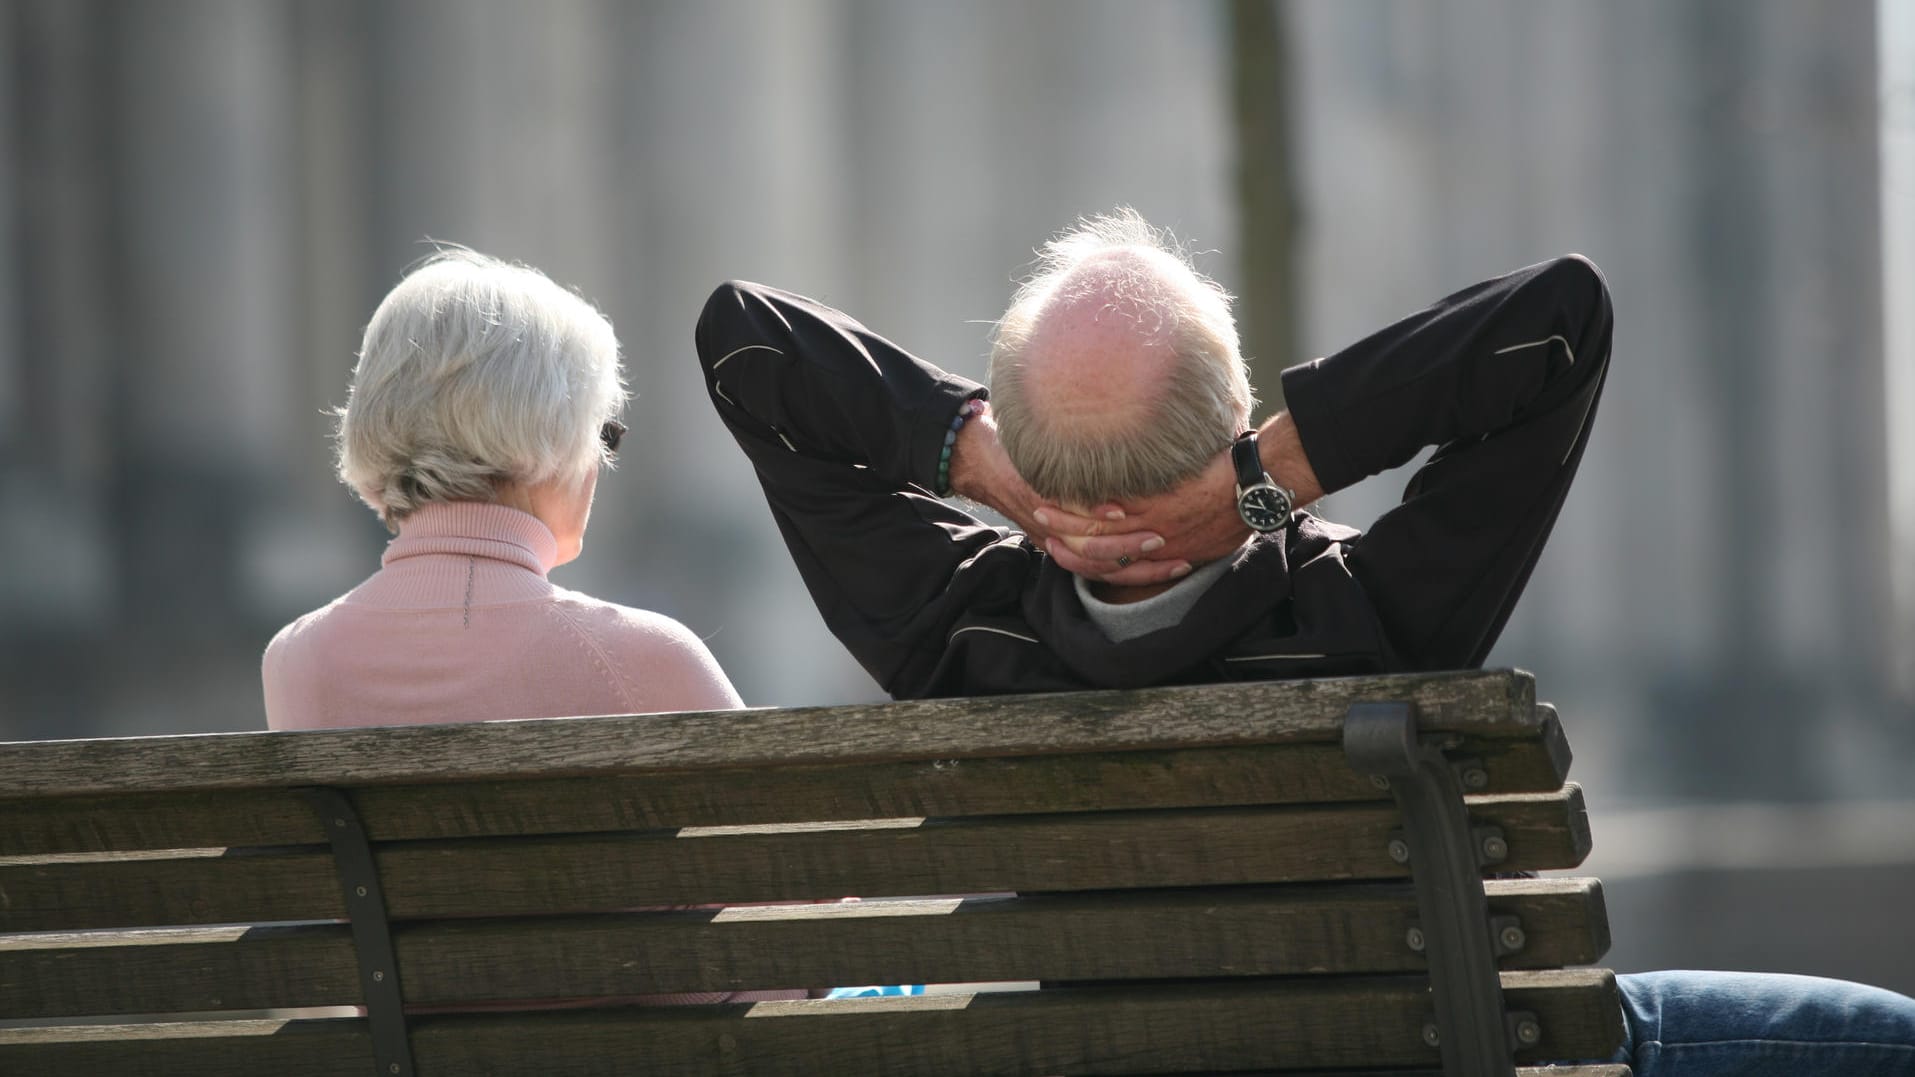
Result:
x=1249 y=464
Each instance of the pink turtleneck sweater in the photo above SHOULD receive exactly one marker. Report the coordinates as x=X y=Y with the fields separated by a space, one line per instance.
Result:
x=461 y=625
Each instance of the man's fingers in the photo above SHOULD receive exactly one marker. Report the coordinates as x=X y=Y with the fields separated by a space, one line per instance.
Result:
x=1144 y=572
x=1123 y=568
x=1117 y=549
x=1073 y=562
x=1058 y=521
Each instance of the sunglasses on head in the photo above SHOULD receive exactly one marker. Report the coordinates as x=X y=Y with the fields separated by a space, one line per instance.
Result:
x=611 y=434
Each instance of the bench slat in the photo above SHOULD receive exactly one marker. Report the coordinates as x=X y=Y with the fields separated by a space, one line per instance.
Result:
x=588 y=873
x=1199 y=777
x=1489 y=703
x=1104 y=936
x=1205 y=1026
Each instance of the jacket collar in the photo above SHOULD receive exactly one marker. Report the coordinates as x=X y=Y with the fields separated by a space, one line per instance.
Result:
x=1219 y=617
x=475 y=529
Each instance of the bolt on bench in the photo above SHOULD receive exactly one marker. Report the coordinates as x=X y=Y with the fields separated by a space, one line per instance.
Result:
x=1282 y=877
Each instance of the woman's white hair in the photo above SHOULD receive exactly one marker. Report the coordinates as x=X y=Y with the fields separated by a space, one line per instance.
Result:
x=473 y=373
x=1139 y=270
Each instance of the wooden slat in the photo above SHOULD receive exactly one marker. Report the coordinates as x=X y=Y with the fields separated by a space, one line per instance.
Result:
x=339 y=1047
x=203 y=889
x=1492 y=703
x=586 y=873
x=180 y=970
x=1199 y=777
x=1198 y=1027
x=1105 y=936
x=1521 y=1071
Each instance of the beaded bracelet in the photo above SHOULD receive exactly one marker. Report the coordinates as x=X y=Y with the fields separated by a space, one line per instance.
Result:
x=970 y=408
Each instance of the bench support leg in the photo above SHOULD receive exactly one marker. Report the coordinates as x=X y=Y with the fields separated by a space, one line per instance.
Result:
x=1380 y=741
x=371 y=932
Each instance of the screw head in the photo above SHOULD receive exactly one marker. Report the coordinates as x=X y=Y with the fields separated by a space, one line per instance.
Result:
x=1431 y=1035
x=1475 y=778
x=1399 y=850
x=1513 y=938
x=1379 y=781
x=378 y=976
x=1414 y=937
x=340 y=823
x=393 y=1068
x=1529 y=1033
x=1495 y=848
x=360 y=890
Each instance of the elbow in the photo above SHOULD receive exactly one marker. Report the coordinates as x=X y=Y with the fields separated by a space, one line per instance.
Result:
x=718 y=321
x=1581 y=288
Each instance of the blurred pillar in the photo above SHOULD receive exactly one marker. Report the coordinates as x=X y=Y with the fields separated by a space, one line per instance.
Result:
x=58 y=324
x=1896 y=50
x=733 y=128
x=11 y=368
x=205 y=100
x=1266 y=195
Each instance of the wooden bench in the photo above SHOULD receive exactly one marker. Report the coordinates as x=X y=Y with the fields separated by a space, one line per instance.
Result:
x=1205 y=883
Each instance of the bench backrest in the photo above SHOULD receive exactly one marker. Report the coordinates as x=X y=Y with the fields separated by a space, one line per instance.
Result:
x=1197 y=874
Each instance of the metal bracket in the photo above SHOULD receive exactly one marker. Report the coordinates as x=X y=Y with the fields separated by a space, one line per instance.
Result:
x=1471 y=1028
x=1507 y=935
x=1472 y=773
x=1491 y=846
x=371 y=931
x=1505 y=931
x=1525 y=1031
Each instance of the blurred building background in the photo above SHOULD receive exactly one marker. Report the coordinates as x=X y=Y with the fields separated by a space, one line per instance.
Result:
x=201 y=201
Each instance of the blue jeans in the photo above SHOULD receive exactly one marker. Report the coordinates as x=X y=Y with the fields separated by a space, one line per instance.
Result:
x=1745 y=1024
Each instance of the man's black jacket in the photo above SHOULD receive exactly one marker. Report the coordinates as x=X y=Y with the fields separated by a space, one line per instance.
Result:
x=844 y=429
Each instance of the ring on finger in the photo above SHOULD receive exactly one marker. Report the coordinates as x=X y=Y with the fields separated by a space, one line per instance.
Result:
x=1123 y=560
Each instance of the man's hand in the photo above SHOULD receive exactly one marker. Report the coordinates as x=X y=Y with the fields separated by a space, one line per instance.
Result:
x=1116 y=550
x=1197 y=518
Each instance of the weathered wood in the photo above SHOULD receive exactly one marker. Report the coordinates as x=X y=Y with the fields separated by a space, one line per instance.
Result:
x=1521 y=1071
x=204 y=889
x=1209 y=841
x=178 y=971
x=589 y=873
x=1373 y=1021
x=1489 y=703
x=1575 y=1025
x=1104 y=936
x=1199 y=777
x=339 y=1047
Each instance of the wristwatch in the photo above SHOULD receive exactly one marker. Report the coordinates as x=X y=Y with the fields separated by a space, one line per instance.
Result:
x=1263 y=504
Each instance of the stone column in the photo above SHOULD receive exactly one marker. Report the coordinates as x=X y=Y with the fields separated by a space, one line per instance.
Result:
x=1896 y=50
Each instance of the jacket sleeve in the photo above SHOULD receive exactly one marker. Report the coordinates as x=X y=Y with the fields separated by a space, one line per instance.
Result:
x=1503 y=378
x=845 y=430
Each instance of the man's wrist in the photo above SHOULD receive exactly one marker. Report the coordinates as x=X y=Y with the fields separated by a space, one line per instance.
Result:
x=972 y=475
x=1281 y=450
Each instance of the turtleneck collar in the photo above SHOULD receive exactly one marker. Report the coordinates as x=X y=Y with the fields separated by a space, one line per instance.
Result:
x=475 y=529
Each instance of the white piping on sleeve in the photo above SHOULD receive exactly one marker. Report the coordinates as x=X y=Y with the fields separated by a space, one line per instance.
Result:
x=988 y=628
x=746 y=348
x=1538 y=343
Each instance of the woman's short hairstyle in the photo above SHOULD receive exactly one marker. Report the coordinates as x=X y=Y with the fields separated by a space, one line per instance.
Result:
x=474 y=372
x=1206 y=400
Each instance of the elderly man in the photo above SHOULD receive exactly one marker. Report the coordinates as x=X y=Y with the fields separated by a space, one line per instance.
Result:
x=1117 y=379
x=1161 y=541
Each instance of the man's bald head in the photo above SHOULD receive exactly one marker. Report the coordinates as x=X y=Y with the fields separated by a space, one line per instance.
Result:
x=1115 y=373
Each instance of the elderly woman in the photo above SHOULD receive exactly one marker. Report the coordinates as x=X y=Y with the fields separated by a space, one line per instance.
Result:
x=482 y=408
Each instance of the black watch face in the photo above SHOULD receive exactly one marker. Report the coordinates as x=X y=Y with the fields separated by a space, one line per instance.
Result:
x=1264 y=508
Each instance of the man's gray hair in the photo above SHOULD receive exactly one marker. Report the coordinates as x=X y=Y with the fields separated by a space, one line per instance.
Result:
x=474 y=372
x=1149 y=279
